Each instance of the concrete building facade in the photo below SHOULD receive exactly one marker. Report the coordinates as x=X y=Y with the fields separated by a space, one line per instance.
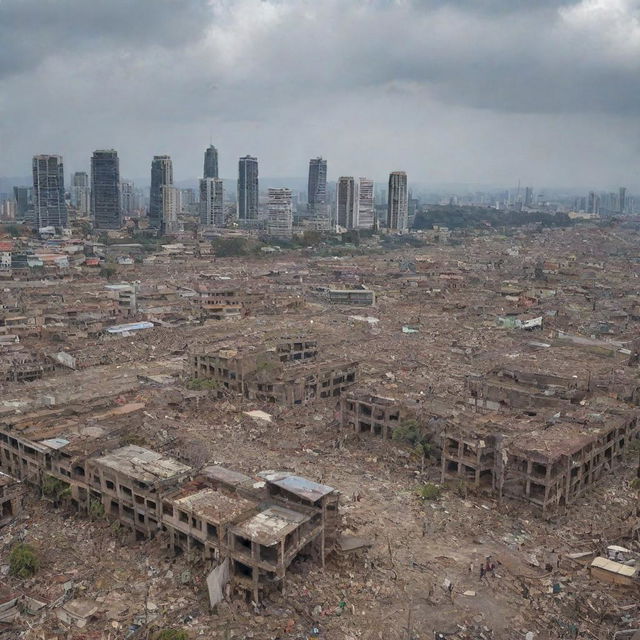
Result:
x=105 y=190
x=49 y=204
x=280 y=212
x=398 y=203
x=161 y=175
x=248 y=188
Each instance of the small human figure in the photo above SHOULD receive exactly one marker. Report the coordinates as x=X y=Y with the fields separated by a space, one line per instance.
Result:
x=451 y=590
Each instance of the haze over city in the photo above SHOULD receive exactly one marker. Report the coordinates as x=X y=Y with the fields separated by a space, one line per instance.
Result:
x=452 y=92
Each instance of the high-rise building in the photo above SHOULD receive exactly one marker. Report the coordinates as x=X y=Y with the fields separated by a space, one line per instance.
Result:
x=24 y=201
x=366 y=210
x=318 y=210
x=105 y=189
x=280 y=212
x=50 y=209
x=161 y=175
x=346 y=203
x=81 y=193
x=170 y=208
x=622 y=200
x=212 y=202
x=248 y=188
x=397 y=205
x=210 y=162
x=528 y=197
x=129 y=200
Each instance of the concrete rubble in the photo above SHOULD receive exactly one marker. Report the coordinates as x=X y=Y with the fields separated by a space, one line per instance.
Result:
x=388 y=444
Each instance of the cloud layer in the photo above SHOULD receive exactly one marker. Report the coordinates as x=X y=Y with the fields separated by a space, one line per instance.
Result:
x=457 y=91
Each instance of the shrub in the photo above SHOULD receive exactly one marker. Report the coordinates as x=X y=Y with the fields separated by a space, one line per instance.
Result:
x=171 y=634
x=23 y=561
x=96 y=510
x=429 y=491
x=202 y=384
x=55 y=488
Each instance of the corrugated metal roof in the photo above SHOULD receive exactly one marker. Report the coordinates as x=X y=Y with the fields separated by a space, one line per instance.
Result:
x=301 y=487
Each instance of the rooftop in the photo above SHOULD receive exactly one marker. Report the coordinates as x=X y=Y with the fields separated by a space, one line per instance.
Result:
x=210 y=504
x=301 y=487
x=270 y=526
x=142 y=464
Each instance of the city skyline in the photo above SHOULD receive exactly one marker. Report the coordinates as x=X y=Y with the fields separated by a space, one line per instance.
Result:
x=552 y=96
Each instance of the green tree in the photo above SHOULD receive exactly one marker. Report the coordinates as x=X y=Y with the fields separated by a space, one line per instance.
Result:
x=23 y=561
x=414 y=434
x=232 y=247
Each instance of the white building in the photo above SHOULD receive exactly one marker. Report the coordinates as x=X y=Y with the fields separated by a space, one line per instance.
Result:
x=366 y=209
x=280 y=212
x=170 y=208
x=212 y=202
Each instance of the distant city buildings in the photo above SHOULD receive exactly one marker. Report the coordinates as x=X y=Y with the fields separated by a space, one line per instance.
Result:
x=161 y=175
x=170 y=208
x=24 y=202
x=398 y=204
x=528 y=197
x=366 y=209
x=80 y=193
x=212 y=202
x=622 y=200
x=50 y=209
x=317 y=203
x=247 y=188
x=280 y=213
x=105 y=190
x=347 y=215
x=129 y=198
x=210 y=162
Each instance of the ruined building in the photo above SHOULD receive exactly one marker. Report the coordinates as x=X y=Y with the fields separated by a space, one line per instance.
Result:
x=288 y=373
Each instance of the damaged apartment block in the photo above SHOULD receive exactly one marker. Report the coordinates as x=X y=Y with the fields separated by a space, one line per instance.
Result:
x=11 y=493
x=255 y=528
x=288 y=373
x=364 y=411
x=530 y=389
x=546 y=463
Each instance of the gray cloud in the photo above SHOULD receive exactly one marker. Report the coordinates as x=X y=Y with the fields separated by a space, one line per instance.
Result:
x=420 y=84
x=32 y=30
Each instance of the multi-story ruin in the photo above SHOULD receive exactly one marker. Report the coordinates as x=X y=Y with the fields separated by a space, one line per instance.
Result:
x=548 y=463
x=288 y=373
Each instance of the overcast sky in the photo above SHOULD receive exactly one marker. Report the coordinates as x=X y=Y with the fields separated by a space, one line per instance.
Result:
x=474 y=91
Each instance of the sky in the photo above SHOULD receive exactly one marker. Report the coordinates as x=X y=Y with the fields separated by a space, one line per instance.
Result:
x=485 y=92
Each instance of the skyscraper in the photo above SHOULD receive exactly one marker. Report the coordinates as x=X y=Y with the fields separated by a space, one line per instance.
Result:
x=622 y=200
x=366 y=209
x=81 y=193
x=24 y=201
x=210 y=162
x=347 y=214
x=212 y=202
x=161 y=175
x=280 y=211
x=128 y=197
x=528 y=197
x=318 y=209
x=105 y=189
x=50 y=209
x=397 y=206
x=170 y=208
x=248 y=188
